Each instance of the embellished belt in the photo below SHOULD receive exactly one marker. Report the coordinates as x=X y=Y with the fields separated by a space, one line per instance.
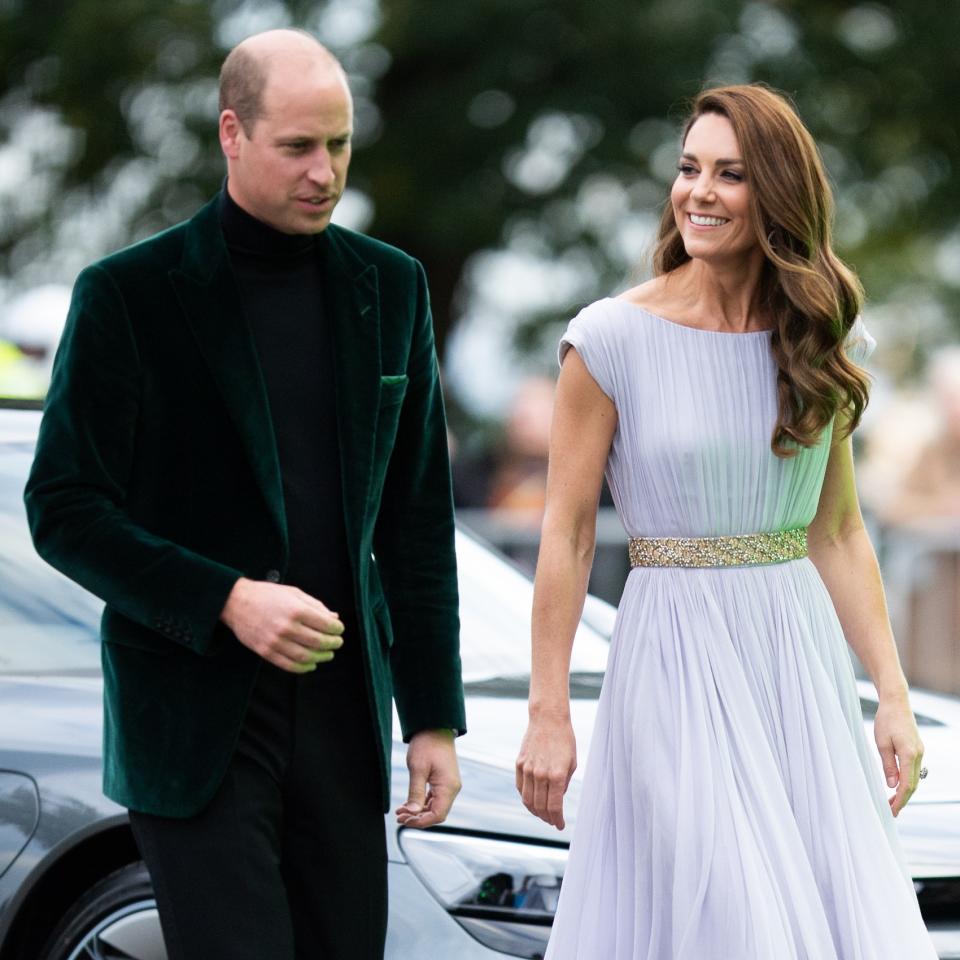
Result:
x=738 y=551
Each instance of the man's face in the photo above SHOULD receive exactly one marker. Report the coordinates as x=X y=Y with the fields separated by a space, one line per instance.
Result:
x=292 y=168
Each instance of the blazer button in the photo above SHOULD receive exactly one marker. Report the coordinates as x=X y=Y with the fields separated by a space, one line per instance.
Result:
x=272 y=576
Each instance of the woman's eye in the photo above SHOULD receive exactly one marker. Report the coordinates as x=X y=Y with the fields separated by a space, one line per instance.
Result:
x=686 y=168
x=733 y=176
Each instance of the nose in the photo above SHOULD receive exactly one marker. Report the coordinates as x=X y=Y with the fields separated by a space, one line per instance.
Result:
x=321 y=168
x=703 y=189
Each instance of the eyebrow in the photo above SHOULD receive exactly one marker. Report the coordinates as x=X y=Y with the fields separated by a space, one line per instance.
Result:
x=722 y=162
x=287 y=137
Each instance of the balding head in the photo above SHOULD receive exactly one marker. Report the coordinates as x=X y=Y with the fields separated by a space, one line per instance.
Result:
x=246 y=71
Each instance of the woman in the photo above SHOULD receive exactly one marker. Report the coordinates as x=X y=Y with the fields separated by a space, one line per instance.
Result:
x=731 y=809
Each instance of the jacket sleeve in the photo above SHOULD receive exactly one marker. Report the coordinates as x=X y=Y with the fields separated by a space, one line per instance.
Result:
x=78 y=491
x=414 y=543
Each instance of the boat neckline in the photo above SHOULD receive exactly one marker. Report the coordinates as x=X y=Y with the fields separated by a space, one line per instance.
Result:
x=686 y=326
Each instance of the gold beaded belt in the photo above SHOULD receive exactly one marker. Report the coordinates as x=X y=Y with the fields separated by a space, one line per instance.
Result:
x=748 y=549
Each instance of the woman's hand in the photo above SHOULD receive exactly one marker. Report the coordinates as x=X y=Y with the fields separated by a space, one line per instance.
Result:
x=900 y=746
x=547 y=759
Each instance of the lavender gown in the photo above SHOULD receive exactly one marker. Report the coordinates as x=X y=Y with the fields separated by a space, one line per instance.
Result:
x=731 y=807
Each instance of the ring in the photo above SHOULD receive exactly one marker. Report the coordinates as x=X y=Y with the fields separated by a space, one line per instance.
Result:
x=923 y=773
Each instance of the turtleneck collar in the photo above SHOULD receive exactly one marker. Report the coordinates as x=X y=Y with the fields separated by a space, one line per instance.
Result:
x=245 y=234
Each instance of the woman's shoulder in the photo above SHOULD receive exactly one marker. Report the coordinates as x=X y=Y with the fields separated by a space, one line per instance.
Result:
x=601 y=322
x=619 y=312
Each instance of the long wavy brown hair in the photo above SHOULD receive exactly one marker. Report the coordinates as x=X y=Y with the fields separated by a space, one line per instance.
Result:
x=812 y=297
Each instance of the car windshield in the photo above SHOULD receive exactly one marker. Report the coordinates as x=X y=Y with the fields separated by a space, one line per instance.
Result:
x=495 y=607
x=47 y=623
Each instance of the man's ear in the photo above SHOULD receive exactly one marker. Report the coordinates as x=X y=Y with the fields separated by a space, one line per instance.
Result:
x=231 y=130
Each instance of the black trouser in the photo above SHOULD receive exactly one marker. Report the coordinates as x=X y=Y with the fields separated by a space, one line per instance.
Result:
x=288 y=861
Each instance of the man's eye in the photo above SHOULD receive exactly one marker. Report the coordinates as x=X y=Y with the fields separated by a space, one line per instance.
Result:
x=339 y=144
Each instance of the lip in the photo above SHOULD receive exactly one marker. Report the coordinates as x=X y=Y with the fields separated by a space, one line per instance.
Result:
x=308 y=202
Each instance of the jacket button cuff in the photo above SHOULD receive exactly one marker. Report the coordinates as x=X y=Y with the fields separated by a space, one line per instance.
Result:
x=272 y=576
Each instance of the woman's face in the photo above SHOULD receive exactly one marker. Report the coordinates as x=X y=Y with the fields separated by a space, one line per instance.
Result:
x=710 y=196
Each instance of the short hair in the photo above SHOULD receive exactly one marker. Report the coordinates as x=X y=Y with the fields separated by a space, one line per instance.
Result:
x=243 y=78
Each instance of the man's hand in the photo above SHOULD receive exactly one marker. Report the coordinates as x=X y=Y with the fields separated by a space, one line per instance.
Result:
x=284 y=625
x=434 y=779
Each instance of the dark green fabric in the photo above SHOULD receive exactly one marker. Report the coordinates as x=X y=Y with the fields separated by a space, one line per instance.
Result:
x=156 y=485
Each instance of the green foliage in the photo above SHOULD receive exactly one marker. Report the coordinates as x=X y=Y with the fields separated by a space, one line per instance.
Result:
x=542 y=125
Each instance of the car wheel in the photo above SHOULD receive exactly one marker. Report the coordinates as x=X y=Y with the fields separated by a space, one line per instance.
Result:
x=115 y=920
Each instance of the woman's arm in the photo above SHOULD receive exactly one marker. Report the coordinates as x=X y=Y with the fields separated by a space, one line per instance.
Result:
x=584 y=422
x=840 y=548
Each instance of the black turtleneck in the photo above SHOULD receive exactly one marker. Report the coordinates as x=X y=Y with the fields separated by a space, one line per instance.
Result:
x=279 y=279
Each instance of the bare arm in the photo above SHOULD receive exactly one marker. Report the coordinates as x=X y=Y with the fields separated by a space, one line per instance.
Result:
x=584 y=422
x=841 y=550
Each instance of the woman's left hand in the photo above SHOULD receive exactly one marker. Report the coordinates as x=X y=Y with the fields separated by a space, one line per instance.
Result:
x=900 y=746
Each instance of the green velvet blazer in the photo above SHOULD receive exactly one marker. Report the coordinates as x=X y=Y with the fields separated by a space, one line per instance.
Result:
x=156 y=485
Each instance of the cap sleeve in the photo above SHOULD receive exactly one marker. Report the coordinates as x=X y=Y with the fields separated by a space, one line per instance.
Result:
x=591 y=333
x=859 y=343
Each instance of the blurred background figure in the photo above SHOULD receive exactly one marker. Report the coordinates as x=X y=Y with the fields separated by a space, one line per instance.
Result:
x=929 y=493
x=29 y=333
x=519 y=481
x=914 y=483
x=18 y=376
x=500 y=479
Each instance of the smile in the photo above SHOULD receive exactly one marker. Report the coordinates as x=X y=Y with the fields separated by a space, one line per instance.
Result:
x=702 y=221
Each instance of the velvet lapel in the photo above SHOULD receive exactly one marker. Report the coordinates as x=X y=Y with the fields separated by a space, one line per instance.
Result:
x=352 y=309
x=208 y=292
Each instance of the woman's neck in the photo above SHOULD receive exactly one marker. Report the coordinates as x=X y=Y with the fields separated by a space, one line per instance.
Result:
x=722 y=296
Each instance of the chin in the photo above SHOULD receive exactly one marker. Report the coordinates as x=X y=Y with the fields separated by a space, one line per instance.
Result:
x=314 y=224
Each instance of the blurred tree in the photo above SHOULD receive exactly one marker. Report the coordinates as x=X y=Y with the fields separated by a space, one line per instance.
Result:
x=105 y=110
x=544 y=121
x=542 y=126
x=508 y=115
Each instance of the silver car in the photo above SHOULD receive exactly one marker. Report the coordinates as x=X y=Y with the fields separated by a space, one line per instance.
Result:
x=481 y=887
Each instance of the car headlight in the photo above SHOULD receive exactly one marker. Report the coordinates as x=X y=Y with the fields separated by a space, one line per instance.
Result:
x=502 y=892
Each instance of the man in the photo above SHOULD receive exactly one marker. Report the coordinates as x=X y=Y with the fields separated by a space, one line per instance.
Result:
x=244 y=454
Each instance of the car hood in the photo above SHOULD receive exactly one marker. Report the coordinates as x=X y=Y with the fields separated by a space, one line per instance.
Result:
x=43 y=714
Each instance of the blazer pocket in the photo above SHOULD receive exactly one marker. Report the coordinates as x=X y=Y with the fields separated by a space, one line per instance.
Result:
x=392 y=389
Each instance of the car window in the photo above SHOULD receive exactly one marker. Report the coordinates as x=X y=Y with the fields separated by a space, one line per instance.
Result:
x=495 y=606
x=47 y=622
